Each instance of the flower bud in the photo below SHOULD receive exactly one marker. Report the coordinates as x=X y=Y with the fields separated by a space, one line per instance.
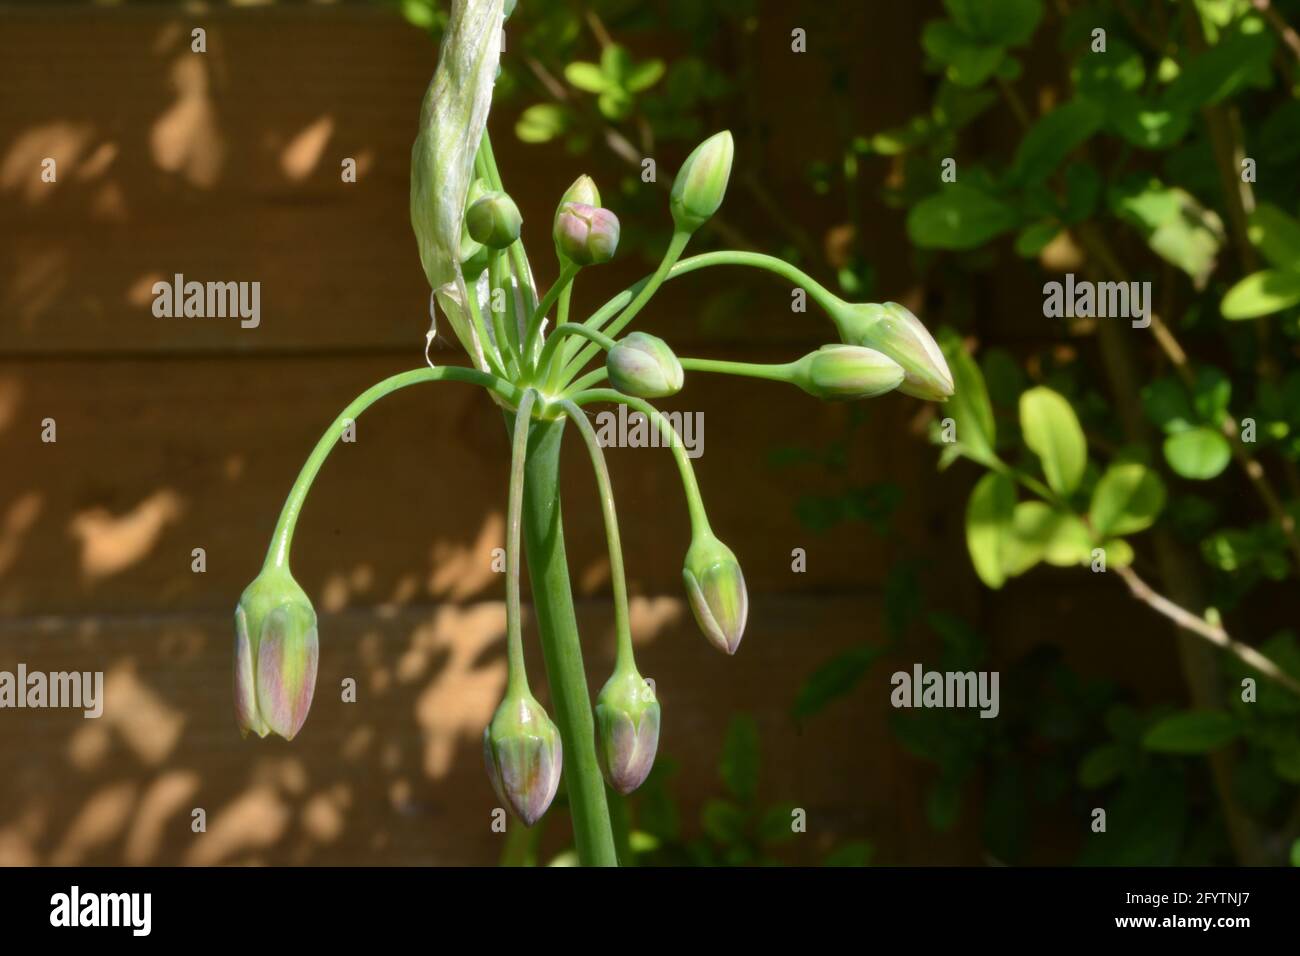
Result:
x=473 y=255
x=895 y=331
x=702 y=182
x=276 y=652
x=585 y=234
x=627 y=722
x=847 y=372
x=716 y=589
x=523 y=754
x=494 y=220
x=643 y=365
x=583 y=190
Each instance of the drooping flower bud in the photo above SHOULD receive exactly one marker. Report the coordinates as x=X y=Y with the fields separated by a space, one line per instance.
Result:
x=494 y=220
x=716 y=589
x=894 y=330
x=585 y=234
x=522 y=749
x=643 y=365
x=627 y=722
x=702 y=182
x=847 y=372
x=276 y=653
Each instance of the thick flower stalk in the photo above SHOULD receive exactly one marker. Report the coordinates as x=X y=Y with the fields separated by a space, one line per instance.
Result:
x=535 y=362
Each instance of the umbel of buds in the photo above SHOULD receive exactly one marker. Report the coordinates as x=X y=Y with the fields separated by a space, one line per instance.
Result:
x=586 y=235
x=276 y=652
x=847 y=372
x=716 y=589
x=521 y=747
x=494 y=220
x=643 y=365
x=702 y=182
x=627 y=720
x=895 y=331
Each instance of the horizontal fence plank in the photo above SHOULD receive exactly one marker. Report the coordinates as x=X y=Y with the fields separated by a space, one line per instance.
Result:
x=156 y=458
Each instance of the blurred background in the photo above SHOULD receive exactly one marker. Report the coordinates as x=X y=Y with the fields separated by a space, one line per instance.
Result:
x=177 y=434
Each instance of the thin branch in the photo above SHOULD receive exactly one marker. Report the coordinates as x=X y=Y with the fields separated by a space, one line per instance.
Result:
x=1214 y=634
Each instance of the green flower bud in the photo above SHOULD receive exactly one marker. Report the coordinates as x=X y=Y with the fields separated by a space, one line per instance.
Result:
x=587 y=235
x=702 y=182
x=276 y=653
x=494 y=220
x=716 y=589
x=627 y=721
x=522 y=749
x=847 y=372
x=583 y=190
x=473 y=255
x=895 y=331
x=643 y=365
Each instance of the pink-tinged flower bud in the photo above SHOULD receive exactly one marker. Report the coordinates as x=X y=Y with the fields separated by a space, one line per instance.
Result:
x=716 y=588
x=847 y=372
x=524 y=756
x=494 y=220
x=701 y=183
x=627 y=722
x=644 y=366
x=276 y=654
x=587 y=235
x=895 y=331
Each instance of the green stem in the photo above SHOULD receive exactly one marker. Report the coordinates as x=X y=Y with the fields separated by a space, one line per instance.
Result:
x=780 y=372
x=485 y=341
x=535 y=321
x=727 y=257
x=694 y=500
x=605 y=488
x=553 y=599
x=517 y=679
x=503 y=322
x=282 y=539
x=570 y=328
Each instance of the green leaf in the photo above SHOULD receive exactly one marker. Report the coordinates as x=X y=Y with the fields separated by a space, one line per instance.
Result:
x=776 y=826
x=1044 y=533
x=969 y=406
x=1101 y=766
x=739 y=767
x=1176 y=226
x=969 y=61
x=857 y=853
x=1192 y=732
x=1144 y=124
x=1167 y=405
x=587 y=77
x=615 y=63
x=723 y=821
x=989 y=515
x=1276 y=235
x=541 y=123
x=1119 y=553
x=644 y=75
x=1035 y=237
x=959 y=216
x=1052 y=138
x=1053 y=433
x=1200 y=453
x=1005 y=22
x=1222 y=70
x=1261 y=293
x=1127 y=499
x=834 y=679
x=1082 y=191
